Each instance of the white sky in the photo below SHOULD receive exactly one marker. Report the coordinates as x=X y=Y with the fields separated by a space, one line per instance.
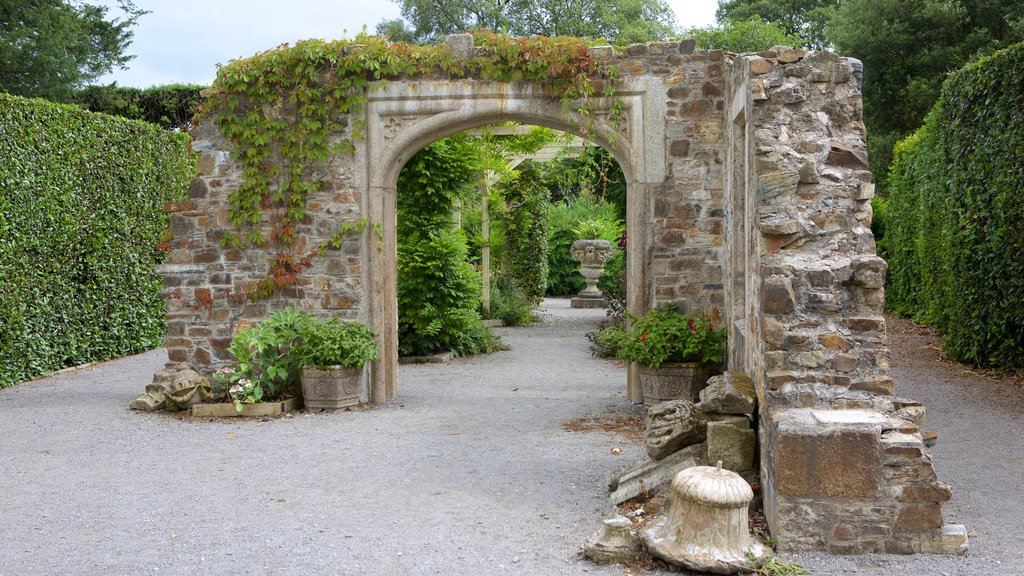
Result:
x=183 y=40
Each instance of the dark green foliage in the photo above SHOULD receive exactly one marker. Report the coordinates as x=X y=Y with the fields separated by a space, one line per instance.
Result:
x=509 y=305
x=807 y=19
x=564 y=276
x=617 y=21
x=438 y=290
x=956 y=215
x=750 y=34
x=613 y=281
x=48 y=48
x=526 y=232
x=170 y=106
x=81 y=214
x=908 y=47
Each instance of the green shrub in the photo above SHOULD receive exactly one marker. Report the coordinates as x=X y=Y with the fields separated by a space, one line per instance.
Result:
x=510 y=305
x=563 y=272
x=82 y=200
x=664 y=335
x=526 y=232
x=170 y=106
x=269 y=358
x=336 y=343
x=438 y=290
x=955 y=228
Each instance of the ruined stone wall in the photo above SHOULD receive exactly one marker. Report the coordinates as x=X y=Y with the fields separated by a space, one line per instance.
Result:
x=844 y=466
x=207 y=286
x=749 y=199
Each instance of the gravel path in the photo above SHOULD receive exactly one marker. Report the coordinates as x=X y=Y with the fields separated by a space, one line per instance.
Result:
x=469 y=472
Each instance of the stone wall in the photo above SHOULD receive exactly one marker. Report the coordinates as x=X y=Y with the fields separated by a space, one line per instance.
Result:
x=844 y=466
x=749 y=199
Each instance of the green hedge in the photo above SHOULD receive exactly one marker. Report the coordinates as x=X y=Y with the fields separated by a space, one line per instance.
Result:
x=955 y=226
x=170 y=106
x=81 y=214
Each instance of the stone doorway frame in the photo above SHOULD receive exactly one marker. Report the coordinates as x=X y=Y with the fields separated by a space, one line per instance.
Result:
x=407 y=116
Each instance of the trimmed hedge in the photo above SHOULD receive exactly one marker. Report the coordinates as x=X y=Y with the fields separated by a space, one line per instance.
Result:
x=956 y=214
x=82 y=200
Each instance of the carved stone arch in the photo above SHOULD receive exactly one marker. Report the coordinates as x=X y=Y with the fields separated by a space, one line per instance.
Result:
x=406 y=116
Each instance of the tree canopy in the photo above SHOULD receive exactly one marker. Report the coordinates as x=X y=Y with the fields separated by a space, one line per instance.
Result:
x=751 y=35
x=50 y=47
x=616 y=21
x=908 y=47
x=808 y=19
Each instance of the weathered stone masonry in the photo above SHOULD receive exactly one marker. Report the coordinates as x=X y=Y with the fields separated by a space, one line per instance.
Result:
x=748 y=199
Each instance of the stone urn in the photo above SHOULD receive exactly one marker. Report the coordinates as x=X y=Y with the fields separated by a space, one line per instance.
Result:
x=706 y=528
x=330 y=388
x=591 y=254
x=673 y=381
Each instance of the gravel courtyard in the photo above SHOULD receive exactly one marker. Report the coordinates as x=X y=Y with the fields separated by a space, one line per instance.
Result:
x=470 y=471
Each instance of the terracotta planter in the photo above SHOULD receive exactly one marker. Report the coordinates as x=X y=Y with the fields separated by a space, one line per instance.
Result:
x=331 y=387
x=674 y=381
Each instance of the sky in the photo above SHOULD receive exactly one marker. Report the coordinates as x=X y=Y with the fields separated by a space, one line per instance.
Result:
x=182 y=41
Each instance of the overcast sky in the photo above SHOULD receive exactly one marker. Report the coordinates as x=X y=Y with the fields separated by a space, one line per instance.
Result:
x=184 y=40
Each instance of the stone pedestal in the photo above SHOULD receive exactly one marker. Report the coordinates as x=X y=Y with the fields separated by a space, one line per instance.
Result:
x=591 y=254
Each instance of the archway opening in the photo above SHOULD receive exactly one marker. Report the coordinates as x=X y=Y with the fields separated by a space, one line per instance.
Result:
x=484 y=223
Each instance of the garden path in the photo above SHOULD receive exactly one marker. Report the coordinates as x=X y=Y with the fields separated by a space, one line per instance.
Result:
x=470 y=471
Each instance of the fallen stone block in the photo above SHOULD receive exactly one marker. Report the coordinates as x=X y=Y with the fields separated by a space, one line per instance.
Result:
x=651 y=475
x=732 y=442
x=729 y=393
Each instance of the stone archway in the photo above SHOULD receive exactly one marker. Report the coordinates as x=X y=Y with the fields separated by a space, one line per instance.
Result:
x=396 y=130
x=749 y=199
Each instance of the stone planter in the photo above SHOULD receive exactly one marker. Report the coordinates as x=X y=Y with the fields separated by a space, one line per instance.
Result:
x=330 y=387
x=227 y=409
x=674 y=381
x=591 y=254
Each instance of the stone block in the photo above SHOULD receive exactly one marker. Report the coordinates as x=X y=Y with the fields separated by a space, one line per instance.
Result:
x=732 y=444
x=775 y=184
x=777 y=295
x=654 y=474
x=729 y=393
x=460 y=45
x=950 y=539
x=919 y=517
x=842 y=155
x=827 y=454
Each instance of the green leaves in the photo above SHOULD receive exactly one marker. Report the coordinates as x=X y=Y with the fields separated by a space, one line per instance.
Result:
x=955 y=228
x=81 y=215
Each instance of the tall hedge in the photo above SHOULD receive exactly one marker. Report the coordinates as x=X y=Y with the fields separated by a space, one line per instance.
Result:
x=956 y=214
x=82 y=199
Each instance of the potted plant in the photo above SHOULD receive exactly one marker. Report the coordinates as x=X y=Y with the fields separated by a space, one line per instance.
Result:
x=676 y=352
x=268 y=362
x=333 y=358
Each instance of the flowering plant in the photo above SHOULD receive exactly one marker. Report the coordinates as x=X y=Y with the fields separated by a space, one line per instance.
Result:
x=665 y=335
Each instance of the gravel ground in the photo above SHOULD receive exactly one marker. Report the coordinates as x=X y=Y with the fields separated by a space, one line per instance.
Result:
x=469 y=472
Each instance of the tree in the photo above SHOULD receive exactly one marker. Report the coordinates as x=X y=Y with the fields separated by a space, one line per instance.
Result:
x=808 y=19
x=50 y=47
x=908 y=47
x=616 y=21
x=752 y=35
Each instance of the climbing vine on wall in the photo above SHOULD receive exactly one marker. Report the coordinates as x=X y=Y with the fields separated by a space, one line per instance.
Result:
x=287 y=111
